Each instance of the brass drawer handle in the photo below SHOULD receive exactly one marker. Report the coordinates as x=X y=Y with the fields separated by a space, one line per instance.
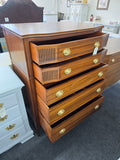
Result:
x=98 y=90
x=95 y=61
x=10 y=127
x=14 y=136
x=61 y=112
x=97 y=44
x=59 y=93
x=1 y=104
x=68 y=71
x=66 y=51
x=113 y=60
x=97 y=106
x=62 y=131
x=4 y=118
x=100 y=74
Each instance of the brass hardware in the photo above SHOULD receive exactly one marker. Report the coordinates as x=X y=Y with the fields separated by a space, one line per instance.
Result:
x=4 y=118
x=68 y=71
x=95 y=61
x=14 y=136
x=59 y=93
x=10 y=127
x=100 y=74
x=61 y=112
x=98 y=90
x=113 y=60
x=97 y=44
x=1 y=104
x=96 y=107
x=62 y=131
x=66 y=51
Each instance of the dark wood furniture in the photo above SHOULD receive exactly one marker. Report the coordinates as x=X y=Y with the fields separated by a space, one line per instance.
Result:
x=113 y=59
x=51 y=59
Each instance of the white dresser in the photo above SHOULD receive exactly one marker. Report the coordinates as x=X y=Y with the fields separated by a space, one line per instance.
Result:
x=78 y=12
x=14 y=125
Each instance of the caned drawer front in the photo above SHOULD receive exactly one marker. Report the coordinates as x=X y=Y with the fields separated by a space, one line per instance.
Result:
x=53 y=94
x=63 y=49
x=66 y=69
x=12 y=139
x=59 y=110
x=8 y=101
x=10 y=126
x=11 y=114
x=60 y=128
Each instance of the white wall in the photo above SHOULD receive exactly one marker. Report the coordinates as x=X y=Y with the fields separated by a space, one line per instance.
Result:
x=112 y=14
x=50 y=6
x=62 y=7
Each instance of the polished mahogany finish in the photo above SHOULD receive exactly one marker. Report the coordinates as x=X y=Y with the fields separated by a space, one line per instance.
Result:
x=64 y=49
x=49 y=94
x=113 y=59
x=87 y=81
x=57 y=111
x=54 y=132
x=57 y=72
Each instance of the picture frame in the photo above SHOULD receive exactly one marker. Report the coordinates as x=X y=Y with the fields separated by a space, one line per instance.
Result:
x=103 y=4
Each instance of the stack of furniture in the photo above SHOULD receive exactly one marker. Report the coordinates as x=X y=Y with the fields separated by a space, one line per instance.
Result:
x=14 y=125
x=61 y=65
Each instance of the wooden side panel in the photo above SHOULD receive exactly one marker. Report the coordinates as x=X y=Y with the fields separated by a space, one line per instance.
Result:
x=113 y=74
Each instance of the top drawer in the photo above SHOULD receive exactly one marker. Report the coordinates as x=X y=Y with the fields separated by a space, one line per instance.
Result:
x=53 y=51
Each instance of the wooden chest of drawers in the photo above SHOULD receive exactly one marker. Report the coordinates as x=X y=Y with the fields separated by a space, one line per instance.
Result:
x=63 y=73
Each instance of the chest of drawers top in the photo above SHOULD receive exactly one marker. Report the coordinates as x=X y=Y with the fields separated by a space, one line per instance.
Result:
x=7 y=75
x=25 y=30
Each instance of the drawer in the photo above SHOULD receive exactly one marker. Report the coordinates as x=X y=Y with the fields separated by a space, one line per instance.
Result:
x=12 y=113
x=10 y=126
x=52 y=94
x=53 y=51
x=12 y=139
x=59 y=110
x=8 y=101
x=60 y=128
x=66 y=69
x=114 y=58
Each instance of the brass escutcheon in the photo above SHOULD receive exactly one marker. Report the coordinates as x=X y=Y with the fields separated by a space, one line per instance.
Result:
x=96 y=107
x=113 y=60
x=10 y=127
x=59 y=93
x=62 y=131
x=95 y=61
x=68 y=71
x=4 y=118
x=1 y=104
x=14 y=136
x=98 y=90
x=100 y=74
x=97 y=44
x=61 y=112
x=66 y=51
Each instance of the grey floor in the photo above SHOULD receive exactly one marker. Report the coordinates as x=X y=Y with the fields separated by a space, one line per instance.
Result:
x=97 y=138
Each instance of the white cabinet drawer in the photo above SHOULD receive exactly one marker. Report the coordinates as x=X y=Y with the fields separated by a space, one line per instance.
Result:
x=12 y=139
x=12 y=113
x=8 y=101
x=10 y=127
